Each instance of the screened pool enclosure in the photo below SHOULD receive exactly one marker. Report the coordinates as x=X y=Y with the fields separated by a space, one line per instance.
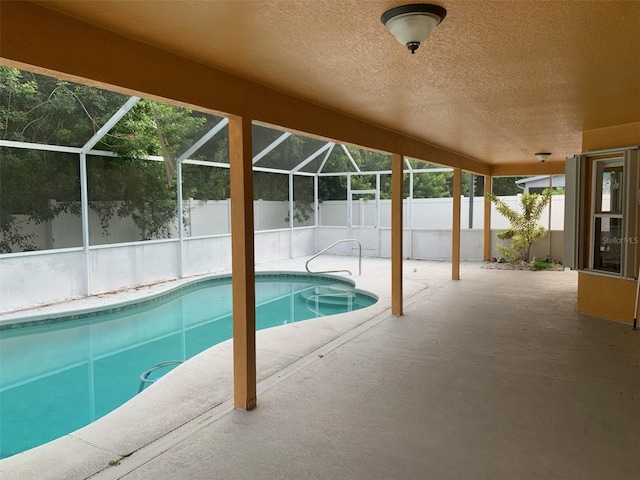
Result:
x=101 y=191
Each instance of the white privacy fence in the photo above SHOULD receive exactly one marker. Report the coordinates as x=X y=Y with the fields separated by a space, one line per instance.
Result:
x=427 y=227
x=201 y=218
x=432 y=213
x=212 y=217
x=118 y=261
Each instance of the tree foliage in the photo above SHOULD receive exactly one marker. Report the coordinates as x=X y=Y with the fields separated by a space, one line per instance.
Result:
x=40 y=109
x=37 y=186
x=132 y=186
x=505 y=186
x=524 y=229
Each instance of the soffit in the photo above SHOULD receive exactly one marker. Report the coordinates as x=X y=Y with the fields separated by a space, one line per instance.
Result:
x=496 y=81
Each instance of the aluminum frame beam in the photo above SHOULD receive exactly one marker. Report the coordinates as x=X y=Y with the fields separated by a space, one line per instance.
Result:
x=266 y=150
x=353 y=162
x=115 y=118
x=313 y=156
x=204 y=139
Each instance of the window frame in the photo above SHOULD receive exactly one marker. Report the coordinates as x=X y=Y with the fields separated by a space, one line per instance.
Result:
x=597 y=213
x=580 y=211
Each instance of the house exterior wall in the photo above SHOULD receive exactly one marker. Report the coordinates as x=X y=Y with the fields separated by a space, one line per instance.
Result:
x=606 y=297
x=602 y=295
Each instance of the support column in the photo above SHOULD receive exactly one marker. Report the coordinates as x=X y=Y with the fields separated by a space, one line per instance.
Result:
x=472 y=191
x=84 y=214
x=455 y=240
x=396 y=234
x=410 y=214
x=316 y=211
x=242 y=264
x=180 y=219
x=550 y=206
x=487 y=218
x=291 y=220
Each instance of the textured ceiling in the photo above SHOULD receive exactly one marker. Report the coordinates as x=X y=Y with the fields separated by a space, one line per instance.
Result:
x=496 y=81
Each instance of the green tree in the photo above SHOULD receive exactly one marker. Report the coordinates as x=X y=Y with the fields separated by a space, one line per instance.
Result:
x=505 y=186
x=204 y=182
x=39 y=109
x=131 y=186
x=432 y=185
x=524 y=229
x=44 y=110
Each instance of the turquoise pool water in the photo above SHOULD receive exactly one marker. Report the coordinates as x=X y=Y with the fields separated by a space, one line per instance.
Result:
x=58 y=376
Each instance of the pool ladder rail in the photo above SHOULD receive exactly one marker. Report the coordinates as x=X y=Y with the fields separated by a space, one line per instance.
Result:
x=344 y=240
x=144 y=376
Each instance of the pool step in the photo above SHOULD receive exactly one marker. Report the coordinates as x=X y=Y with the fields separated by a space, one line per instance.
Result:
x=336 y=294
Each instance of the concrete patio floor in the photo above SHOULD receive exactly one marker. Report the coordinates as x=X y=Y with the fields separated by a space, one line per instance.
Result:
x=491 y=377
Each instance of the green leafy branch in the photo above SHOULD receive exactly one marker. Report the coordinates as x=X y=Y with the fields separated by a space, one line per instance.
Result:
x=524 y=229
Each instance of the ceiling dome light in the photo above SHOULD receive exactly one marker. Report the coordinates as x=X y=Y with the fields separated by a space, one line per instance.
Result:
x=542 y=156
x=412 y=24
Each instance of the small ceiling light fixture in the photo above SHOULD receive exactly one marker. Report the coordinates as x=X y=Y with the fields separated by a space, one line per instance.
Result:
x=542 y=156
x=412 y=24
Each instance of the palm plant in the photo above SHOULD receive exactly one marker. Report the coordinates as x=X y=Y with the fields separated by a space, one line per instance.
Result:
x=524 y=229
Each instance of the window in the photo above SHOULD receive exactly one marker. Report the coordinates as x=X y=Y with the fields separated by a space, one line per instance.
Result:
x=601 y=212
x=607 y=222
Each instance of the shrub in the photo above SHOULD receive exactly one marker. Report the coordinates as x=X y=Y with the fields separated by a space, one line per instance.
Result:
x=524 y=230
x=542 y=264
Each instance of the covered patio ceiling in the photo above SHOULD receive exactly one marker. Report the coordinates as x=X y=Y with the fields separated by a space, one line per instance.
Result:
x=497 y=81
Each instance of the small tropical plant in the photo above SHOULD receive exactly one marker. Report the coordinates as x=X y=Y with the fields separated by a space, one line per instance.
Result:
x=542 y=264
x=524 y=230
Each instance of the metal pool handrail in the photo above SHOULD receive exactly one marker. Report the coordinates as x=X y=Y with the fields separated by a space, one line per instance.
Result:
x=306 y=265
x=144 y=375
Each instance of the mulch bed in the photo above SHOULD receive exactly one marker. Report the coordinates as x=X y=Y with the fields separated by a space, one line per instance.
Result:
x=557 y=267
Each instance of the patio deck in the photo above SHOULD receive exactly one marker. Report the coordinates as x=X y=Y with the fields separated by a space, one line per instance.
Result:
x=494 y=376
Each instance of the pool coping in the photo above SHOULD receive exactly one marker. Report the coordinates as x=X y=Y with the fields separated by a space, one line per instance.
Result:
x=24 y=319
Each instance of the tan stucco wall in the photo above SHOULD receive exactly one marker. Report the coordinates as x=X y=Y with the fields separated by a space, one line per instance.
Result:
x=606 y=297
x=598 y=295
x=611 y=137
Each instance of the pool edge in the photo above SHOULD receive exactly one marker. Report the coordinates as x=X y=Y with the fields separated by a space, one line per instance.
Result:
x=16 y=320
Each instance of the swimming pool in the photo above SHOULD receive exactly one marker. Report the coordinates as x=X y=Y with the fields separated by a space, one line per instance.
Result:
x=60 y=374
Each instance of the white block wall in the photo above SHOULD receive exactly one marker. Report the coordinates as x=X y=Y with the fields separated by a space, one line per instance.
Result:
x=36 y=278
